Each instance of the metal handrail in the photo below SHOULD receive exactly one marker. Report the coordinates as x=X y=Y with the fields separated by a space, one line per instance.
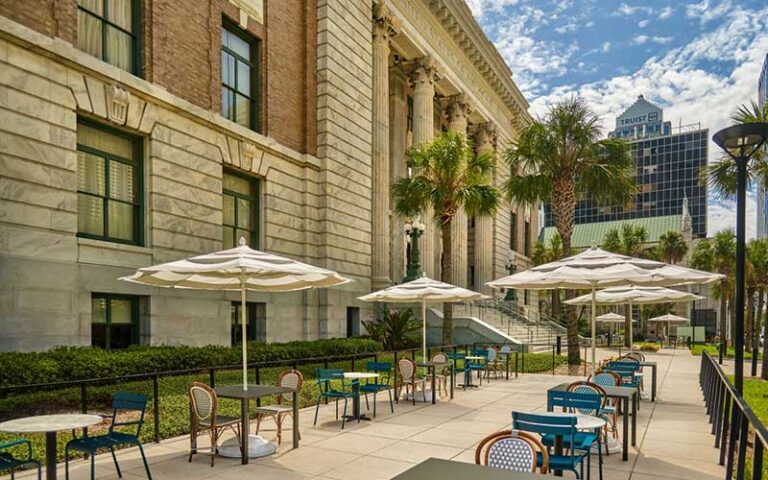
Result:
x=732 y=419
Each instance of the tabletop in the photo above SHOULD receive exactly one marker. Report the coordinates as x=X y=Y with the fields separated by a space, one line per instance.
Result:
x=254 y=391
x=359 y=375
x=616 y=392
x=648 y=364
x=433 y=468
x=474 y=358
x=50 y=423
x=433 y=364
x=583 y=422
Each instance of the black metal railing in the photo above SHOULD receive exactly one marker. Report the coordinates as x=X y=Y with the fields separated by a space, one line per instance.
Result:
x=255 y=369
x=739 y=434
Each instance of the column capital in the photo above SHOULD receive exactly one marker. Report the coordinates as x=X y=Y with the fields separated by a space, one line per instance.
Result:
x=422 y=72
x=385 y=24
x=458 y=107
x=485 y=136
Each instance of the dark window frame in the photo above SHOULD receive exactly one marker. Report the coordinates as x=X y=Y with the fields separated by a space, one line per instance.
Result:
x=255 y=199
x=253 y=328
x=136 y=21
x=513 y=241
x=135 y=317
x=527 y=239
x=138 y=176
x=254 y=63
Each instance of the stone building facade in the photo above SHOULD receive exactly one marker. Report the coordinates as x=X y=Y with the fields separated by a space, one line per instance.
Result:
x=147 y=133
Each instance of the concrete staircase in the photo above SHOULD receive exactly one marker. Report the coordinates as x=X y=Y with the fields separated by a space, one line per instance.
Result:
x=538 y=334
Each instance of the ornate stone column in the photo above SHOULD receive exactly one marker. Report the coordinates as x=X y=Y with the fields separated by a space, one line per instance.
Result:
x=398 y=143
x=423 y=76
x=457 y=111
x=384 y=28
x=485 y=140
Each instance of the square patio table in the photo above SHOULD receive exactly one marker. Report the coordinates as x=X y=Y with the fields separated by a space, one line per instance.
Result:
x=432 y=366
x=437 y=468
x=653 y=366
x=236 y=392
x=624 y=394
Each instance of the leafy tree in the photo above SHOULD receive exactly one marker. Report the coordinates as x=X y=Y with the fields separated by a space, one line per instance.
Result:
x=396 y=330
x=560 y=158
x=447 y=176
x=757 y=258
x=672 y=247
x=718 y=255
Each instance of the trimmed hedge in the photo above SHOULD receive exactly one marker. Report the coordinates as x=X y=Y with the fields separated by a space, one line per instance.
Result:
x=79 y=363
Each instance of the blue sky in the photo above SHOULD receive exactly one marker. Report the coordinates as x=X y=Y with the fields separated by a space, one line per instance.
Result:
x=698 y=59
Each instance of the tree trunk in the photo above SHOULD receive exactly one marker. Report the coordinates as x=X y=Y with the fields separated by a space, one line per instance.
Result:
x=555 y=300
x=723 y=315
x=757 y=323
x=732 y=311
x=627 y=326
x=445 y=276
x=764 y=366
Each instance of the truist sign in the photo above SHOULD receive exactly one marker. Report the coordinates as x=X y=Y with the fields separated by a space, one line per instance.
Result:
x=647 y=118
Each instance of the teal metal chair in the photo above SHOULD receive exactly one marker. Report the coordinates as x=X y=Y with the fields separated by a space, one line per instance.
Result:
x=375 y=385
x=10 y=462
x=555 y=426
x=325 y=378
x=122 y=403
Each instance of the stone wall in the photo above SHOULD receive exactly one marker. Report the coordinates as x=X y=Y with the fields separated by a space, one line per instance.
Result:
x=48 y=273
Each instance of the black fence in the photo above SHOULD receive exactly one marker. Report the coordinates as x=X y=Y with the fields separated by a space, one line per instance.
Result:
x=739 y=434
x=514 y=364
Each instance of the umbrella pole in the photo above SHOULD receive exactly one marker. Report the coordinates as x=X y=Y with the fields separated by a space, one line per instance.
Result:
x=594 y=306
x=243 y=325
x=424 y=331
x=631 y=338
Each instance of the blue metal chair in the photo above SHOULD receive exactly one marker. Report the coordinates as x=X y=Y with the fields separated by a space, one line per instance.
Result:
x=479 y=366
x=123 y=402
x=585 y=400
x=325 y=378
x=556 y=426
x=375 y=385
x=9 y=462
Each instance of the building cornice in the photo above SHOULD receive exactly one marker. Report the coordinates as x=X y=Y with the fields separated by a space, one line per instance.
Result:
x=458 y=20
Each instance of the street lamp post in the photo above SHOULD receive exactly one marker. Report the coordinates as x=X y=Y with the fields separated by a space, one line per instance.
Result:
x=414 y=231
x=740 y=142
x=511 y=294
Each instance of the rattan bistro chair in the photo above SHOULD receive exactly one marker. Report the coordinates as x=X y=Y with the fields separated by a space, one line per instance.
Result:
x=409 y=379
x=290 y=379
x=441 y=377
x=512 y=450
x=203 y=406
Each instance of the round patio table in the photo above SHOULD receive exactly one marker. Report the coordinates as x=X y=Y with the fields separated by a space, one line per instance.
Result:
x=356 y=388
x=50 y=425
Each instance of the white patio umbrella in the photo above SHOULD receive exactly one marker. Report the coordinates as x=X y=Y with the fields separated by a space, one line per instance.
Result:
x=635 y=296
x=595 y=268
x=669 y=318
x=611 y=318
x=423 y=290
x=238 y=269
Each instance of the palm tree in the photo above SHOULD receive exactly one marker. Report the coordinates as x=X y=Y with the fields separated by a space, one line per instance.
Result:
x=630 y=240
x=757 y=256
x=718 y=255
x=545 y=253
x=721 y=174
x=672 y=247
x=560 y=158
x=448 y=177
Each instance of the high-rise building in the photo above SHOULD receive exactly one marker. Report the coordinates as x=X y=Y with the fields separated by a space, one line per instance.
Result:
x=667 y=166
x=762 y=208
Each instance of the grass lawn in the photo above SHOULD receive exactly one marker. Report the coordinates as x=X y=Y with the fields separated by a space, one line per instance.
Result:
x=712 y=349
x=173 y=402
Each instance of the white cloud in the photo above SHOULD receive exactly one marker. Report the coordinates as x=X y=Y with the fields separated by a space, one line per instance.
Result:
x=640 y=40
x=661 y=40
x=705 y=12
x=606 y=47
x=628 y=11
x=643 y=23
x=567 y=28
x=481 y=7
x=722 y=214
x=665 y=13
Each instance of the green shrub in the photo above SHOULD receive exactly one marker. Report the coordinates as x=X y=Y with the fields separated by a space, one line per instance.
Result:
x=648 y=346
x=397 y=329
x=79 y=363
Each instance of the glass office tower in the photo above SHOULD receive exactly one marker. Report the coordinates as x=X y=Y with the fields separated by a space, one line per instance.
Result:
x=667 y=170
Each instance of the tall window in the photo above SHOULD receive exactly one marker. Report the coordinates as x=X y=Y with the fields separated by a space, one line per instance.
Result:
x=241 y=210
x=108 y=184
x=114 y=321
x=239 y=76
x=256 y=322
x=527 y=239
x=107 y=29
x=409 y=114
x=513 y=231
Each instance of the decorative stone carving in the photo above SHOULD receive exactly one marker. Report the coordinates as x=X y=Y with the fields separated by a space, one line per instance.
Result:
x=117 y=104
x=485 y=137
x=423 y=73
x=457 y=112
x=385 y=24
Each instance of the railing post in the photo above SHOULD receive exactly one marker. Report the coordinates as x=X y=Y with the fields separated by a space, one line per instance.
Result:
x=757 y=460
x=559 y=344
x=553 y=360
x=156 y=407
x=258 y=381
x=212 y=377
x=725 y=429
x=397 y=396
x=742 y=457
x=516 y=357
x=83 y=398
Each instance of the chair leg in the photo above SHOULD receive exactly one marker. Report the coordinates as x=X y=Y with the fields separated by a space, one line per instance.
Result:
x=66 y=463
x=600 y=457
x=413 y=390
x=344 y=416
x=13 y=473
x=367 y=406
x=374 y=403
x=39 y=472
x=114 y=458
x=317 y=408
x=391 y=405
x=337 y=409
x=258 y=423
x=93 y=467
x=424 y=391
x=144 y=459
x=279 y=424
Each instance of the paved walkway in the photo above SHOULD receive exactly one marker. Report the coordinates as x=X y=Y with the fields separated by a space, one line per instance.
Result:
x=673 y=440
